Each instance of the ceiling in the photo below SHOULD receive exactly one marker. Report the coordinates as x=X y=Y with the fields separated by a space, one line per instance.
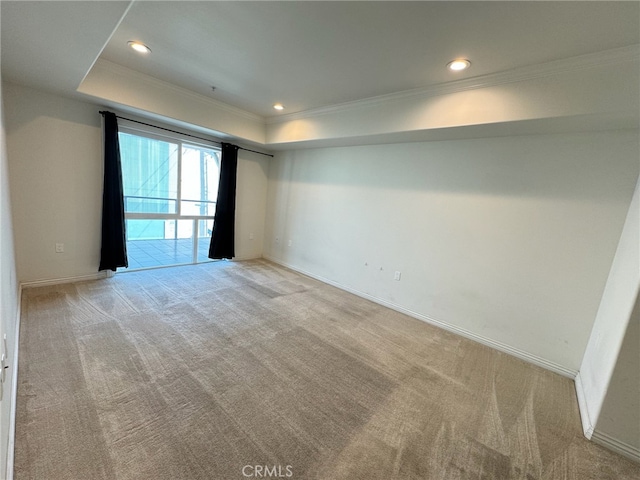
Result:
x=305 y=55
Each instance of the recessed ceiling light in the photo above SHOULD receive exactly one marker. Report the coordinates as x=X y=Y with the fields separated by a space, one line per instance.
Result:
x=278 y=106
x=459 y=64
x=139 y=47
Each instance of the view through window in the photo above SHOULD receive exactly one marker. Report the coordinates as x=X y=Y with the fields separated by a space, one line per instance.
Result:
x=170 y=191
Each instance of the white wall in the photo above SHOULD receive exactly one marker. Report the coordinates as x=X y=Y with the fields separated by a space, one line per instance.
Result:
x=619 y=418
x=55 y=156
x=611 y=322
x=8 y=301
x=506 y=239
x=55 y=162
x=251 y=204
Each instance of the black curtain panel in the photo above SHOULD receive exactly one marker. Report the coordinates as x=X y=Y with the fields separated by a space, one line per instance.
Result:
x=113 y=253
x=222 y=239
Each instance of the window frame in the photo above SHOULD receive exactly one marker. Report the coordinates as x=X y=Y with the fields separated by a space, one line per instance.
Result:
x=180 y=140
x=133 y=128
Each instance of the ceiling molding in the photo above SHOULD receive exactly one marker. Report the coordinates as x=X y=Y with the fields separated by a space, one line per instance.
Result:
x=127 y=72
x=530 y=72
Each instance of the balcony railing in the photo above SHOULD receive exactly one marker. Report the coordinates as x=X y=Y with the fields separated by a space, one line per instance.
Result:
x=156 y=239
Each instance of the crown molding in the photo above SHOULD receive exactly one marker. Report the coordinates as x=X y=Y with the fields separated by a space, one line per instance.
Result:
x=529 y=72
x=127 y=72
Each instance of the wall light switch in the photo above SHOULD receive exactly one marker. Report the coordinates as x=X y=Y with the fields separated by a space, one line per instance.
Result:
x=397 y=275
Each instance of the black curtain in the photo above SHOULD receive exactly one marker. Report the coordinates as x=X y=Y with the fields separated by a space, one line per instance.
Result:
x=222 y=245
x=113 y=253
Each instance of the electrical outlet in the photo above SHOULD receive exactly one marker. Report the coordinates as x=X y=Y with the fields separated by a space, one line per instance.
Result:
x=289 y=243
x=59 y=247
x=251 y=236
x=397 y=275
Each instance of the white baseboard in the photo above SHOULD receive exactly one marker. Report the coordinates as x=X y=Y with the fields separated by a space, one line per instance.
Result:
x=583 y=406
x=11 y=444
x=626 y=450
x=629 y=451
x=245 y=258
x=58 y=281
x=526 y=356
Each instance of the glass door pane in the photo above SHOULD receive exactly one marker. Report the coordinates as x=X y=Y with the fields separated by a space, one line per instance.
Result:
x=149 y=174
x=199 y=181
x=205 y=227
x=159 y=243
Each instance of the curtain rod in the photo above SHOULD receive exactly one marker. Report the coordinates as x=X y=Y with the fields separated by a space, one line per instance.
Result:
x=102 y=112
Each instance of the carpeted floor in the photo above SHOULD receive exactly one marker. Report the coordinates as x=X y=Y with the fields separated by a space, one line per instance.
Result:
x=248 y=370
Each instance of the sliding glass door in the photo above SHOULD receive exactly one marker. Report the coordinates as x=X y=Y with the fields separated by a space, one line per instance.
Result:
x=170 y=190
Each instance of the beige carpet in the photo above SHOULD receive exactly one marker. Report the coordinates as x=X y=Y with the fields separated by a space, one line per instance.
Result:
x=248 y=370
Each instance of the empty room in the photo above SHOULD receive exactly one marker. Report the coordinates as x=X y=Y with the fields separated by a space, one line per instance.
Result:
x=320 y=240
